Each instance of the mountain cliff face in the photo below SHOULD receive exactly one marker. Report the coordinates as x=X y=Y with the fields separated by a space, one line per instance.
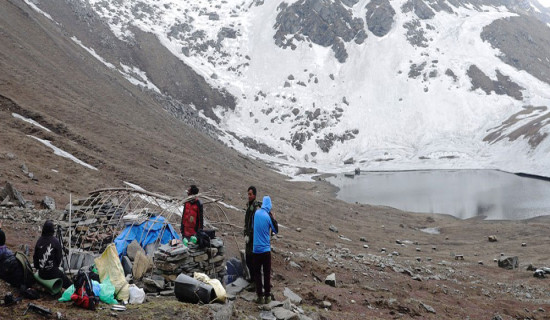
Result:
x=392 y=84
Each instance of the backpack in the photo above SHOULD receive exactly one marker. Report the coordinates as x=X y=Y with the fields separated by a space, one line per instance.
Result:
x=28 y=274
x=84 y=296
x=203 y=237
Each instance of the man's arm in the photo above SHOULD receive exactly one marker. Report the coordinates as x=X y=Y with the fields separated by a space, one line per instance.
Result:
x=274 y=223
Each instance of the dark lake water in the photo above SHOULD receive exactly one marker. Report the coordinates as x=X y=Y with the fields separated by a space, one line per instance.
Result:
x=461 y=193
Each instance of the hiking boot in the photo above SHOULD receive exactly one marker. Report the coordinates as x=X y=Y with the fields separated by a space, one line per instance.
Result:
x=259 y=300
x=267 y=299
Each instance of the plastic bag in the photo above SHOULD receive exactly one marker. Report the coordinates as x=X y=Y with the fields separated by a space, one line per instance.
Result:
x=96 y=287
x=221 y=294
x=66 y=296
x=137 y=295
x=107 y=292
x=108 y=265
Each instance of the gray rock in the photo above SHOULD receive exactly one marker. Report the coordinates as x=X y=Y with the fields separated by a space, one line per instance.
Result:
x=350 y=3
x=333 y=228
x=415 y=34
x=323 y=22
x=420 y=8
x=349 y=161
x=216 y=242
x=379 y=17
x=295 y=265
x=284 y=314
x=294 y=298
x=155 y=281
x=502 y=86
x=508 y=262
x=271 y=305
x=287 y=304
x=428 y=308
x=248 y=296
x=236 y=286
x=12 y=194
x=48 y=203
x=267 y=315
x=225 y=312
x=326 y=304
x=331 y=280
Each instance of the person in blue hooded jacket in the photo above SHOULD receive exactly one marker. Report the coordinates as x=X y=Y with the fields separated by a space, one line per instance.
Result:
x=264 y=223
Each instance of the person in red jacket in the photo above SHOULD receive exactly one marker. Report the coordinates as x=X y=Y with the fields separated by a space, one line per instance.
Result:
x=192 y=217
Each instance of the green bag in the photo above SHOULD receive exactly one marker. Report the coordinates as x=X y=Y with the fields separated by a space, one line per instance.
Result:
x=107 y=292
x=67 y=294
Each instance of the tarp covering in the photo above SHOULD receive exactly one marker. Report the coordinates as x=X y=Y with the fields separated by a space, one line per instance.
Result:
x=145 y=233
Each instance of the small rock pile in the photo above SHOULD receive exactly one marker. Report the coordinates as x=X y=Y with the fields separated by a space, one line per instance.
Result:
x=170 y=261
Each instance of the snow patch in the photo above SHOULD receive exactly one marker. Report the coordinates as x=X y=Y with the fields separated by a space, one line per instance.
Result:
x=31 y=121
x=62 y=153
x=431 y=230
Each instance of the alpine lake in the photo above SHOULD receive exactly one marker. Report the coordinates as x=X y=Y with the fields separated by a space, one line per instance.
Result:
x=492 y=194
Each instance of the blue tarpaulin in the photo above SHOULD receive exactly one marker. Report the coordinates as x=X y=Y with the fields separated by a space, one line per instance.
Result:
x=145 y=233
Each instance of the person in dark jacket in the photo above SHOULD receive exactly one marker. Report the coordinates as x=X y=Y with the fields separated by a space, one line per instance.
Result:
x=251 y=206
x=192 y=217
x=48 y=254
x=12 y=270
x=264 y=224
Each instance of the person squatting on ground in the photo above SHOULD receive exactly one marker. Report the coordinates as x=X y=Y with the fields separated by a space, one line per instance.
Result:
x=264 y=223
x=48 y=255
x=192 y=217
x=251 y=206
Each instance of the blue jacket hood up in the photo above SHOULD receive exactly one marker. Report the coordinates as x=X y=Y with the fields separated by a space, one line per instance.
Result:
x=266 y=204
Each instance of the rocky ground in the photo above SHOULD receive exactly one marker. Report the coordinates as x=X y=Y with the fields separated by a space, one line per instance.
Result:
x=384 y=266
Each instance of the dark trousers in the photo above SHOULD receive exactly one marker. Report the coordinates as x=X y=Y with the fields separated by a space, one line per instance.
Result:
x=262 y=261
x=249 y=257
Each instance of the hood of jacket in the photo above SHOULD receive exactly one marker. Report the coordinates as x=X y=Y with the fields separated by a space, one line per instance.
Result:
x=48 y=229
x=266 y=204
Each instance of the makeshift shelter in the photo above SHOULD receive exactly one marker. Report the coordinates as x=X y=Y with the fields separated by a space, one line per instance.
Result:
x=121 y=215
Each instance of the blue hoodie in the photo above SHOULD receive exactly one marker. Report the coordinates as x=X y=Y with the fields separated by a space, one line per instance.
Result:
x=263 y=223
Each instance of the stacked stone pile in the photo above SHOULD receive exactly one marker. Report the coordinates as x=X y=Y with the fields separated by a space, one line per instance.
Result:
x=170 y=261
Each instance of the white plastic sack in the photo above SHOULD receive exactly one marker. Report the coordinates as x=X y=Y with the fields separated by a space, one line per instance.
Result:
x=137 y=295
x=221 y=294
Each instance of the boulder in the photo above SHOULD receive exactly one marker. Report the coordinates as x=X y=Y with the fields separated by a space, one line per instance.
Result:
x=9 y=192
x=331 y=280
x=333 y=228
x=492 y=238
x=508 y=262
x=284 y=314
x=294 y=298
x=48 y=203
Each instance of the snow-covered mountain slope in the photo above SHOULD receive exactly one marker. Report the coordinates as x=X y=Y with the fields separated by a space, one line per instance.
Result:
x=398 y=84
